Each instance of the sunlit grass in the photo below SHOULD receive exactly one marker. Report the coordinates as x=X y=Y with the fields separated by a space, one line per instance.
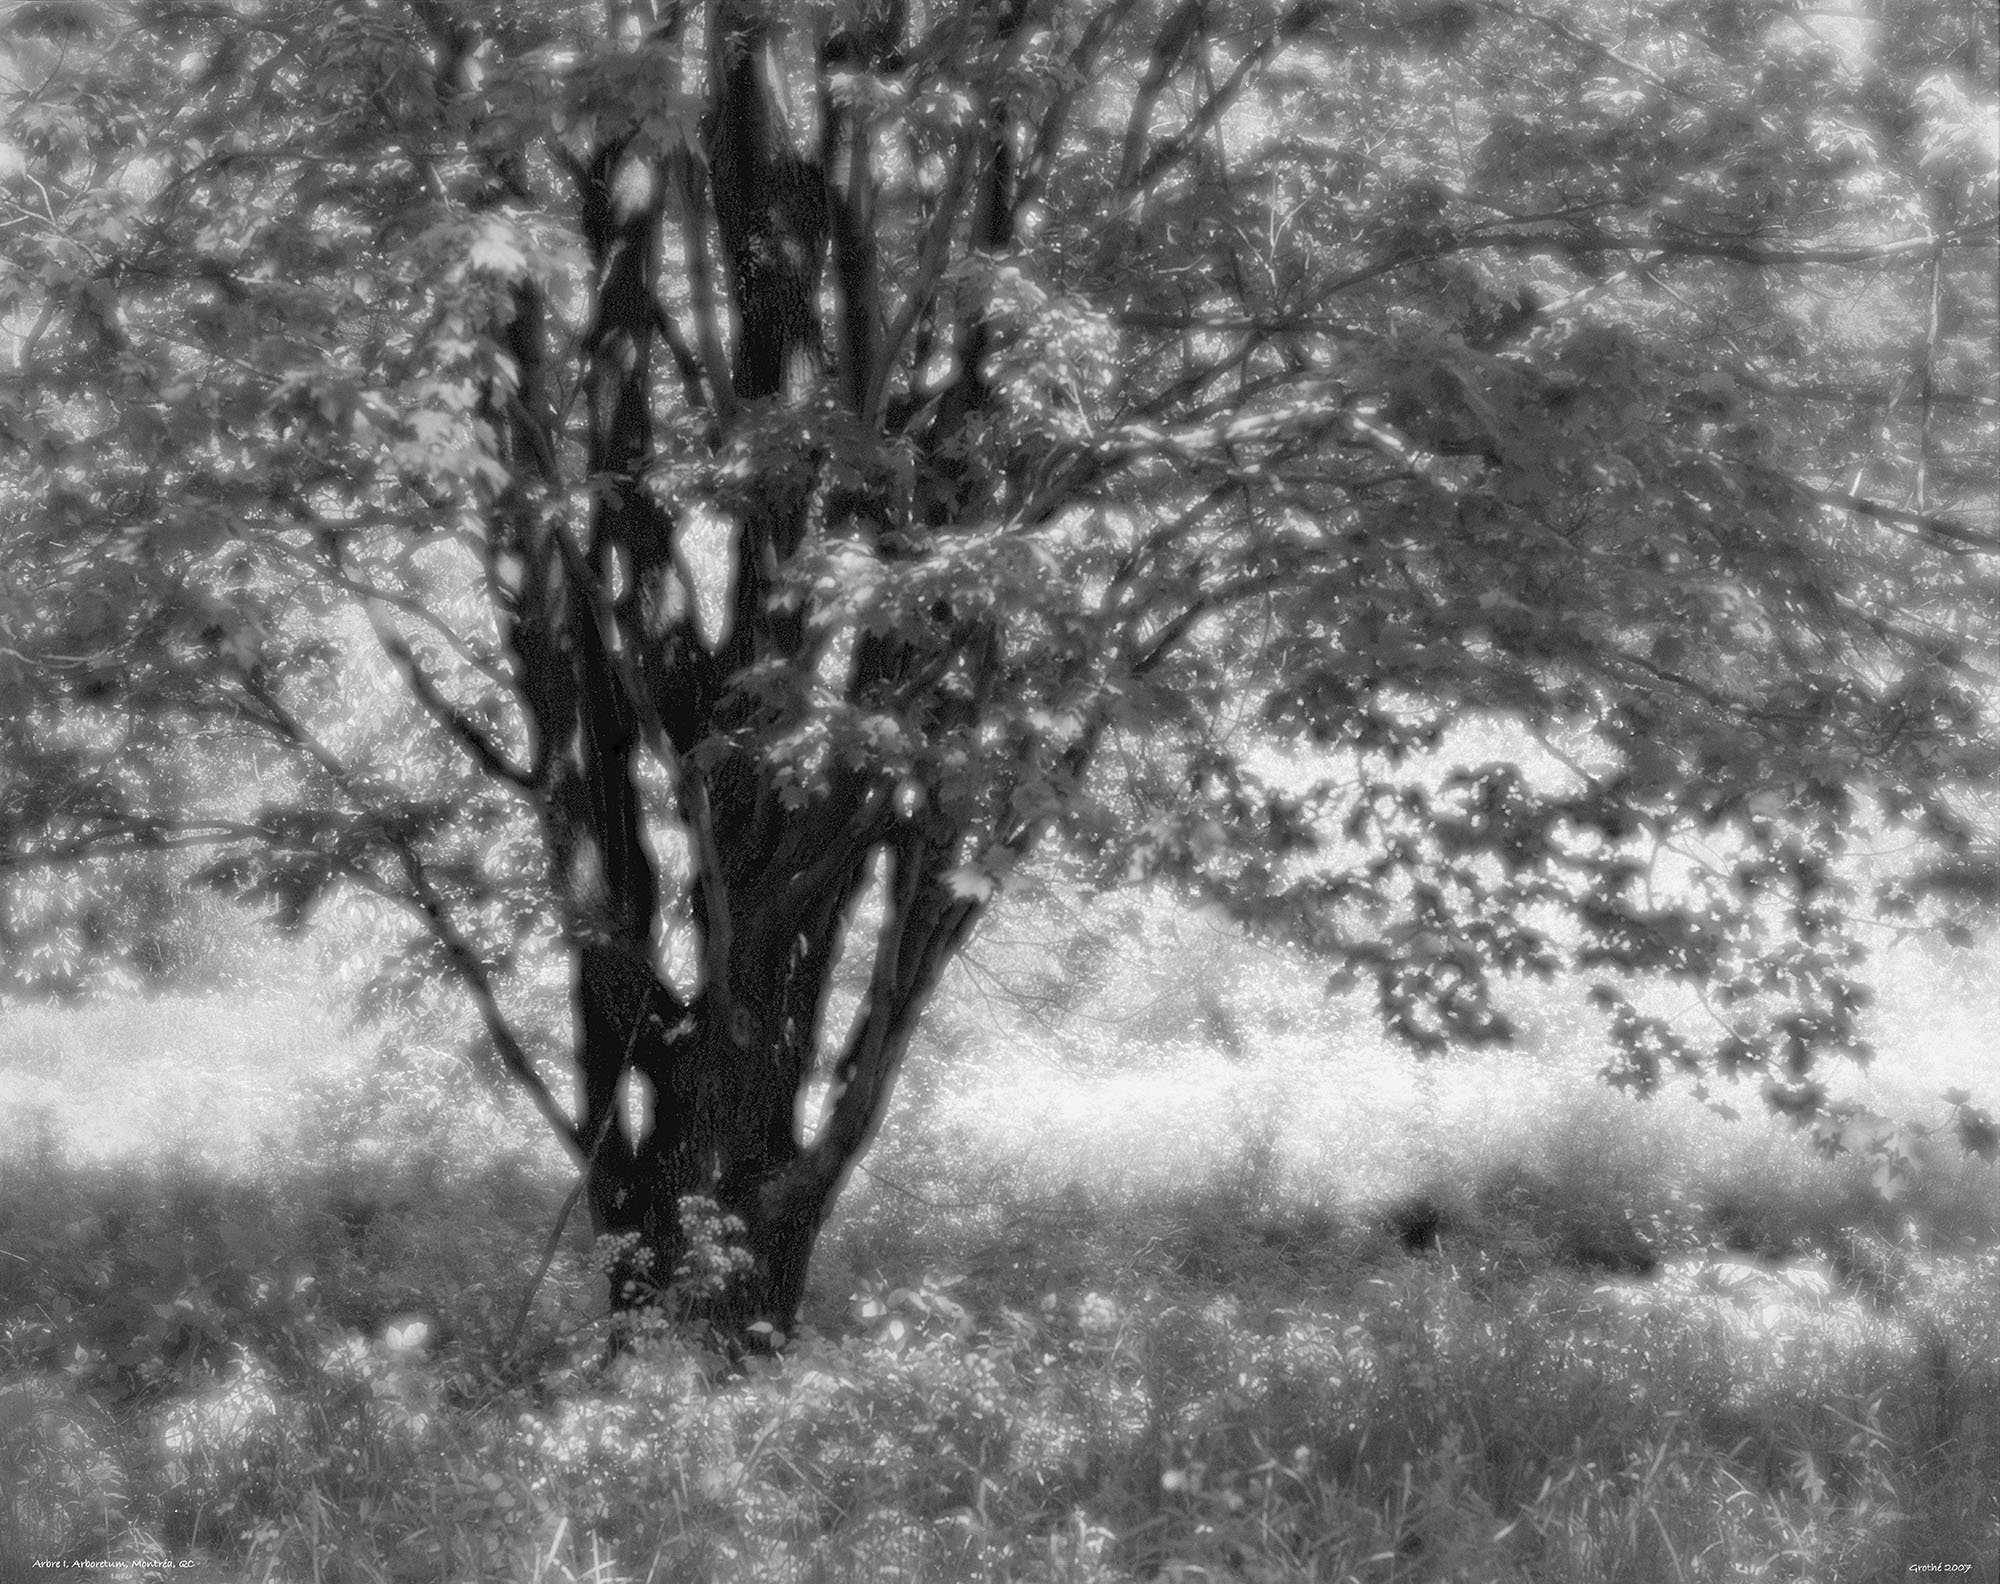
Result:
x=1129 y=1093
x=139 y=1078
x=1119 y=1297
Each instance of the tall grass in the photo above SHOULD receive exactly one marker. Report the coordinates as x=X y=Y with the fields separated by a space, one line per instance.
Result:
x=1123 y=1294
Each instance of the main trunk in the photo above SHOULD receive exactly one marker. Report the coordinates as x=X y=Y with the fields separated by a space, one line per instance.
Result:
x=704 y=1125
x=690 y=1116
x=701 y=1185
x=726 y=1265
x=700 y=1164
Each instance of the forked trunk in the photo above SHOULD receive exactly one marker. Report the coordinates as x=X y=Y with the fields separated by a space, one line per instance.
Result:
x=706 y=1173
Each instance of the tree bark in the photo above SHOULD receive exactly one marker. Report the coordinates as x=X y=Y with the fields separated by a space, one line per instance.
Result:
x=726 y=1083
x=613 y=673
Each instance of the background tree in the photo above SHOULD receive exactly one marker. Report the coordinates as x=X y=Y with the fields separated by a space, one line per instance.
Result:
x=692 y=496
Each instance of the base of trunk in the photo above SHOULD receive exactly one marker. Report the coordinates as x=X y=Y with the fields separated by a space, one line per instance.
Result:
x=735 y=1282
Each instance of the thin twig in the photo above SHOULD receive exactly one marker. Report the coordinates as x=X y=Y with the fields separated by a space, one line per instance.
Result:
x=484 y=751
x=555 y=1233
x=939 y=1204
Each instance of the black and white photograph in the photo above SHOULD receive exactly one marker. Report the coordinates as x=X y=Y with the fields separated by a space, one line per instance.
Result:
x=1000 y=791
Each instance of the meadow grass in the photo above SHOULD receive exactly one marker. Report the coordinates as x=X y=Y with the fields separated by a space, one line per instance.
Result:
x=1122 y=1294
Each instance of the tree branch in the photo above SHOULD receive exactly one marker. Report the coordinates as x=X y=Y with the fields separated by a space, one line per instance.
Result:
x=137 y=837
x=424 y=899
x=932 y=258
x=1954 y=534
x=1169 y=45
x=1035 y=168
x=1211 y=108
x=484 y=752
x=472 y=973
x=701 y=287
x=1603 y=52
x=898 y=988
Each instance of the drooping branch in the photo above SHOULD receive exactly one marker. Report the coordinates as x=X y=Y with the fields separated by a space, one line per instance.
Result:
x=472 y=973
x=331 y=570
x=1562 y=30
x=483 y=751
x=424 y=898
x=136 y=835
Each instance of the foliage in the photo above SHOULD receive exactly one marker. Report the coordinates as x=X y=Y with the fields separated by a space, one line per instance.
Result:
x=118 y=927
x=506 y=462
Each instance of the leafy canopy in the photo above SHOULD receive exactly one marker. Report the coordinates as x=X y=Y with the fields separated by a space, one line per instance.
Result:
x=1158 y=426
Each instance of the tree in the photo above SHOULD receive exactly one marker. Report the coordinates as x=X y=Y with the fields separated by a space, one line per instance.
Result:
x=694 y=495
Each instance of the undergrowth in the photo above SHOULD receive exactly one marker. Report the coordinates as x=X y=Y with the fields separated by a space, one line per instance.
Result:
x=233 y=1376
x=1345 y=1321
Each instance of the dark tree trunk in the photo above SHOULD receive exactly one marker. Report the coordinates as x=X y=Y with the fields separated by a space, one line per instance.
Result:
x=726 y=1076
x=614 y=675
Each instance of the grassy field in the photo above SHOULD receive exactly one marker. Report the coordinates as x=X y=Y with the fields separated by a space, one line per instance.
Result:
x=1166 y=1268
